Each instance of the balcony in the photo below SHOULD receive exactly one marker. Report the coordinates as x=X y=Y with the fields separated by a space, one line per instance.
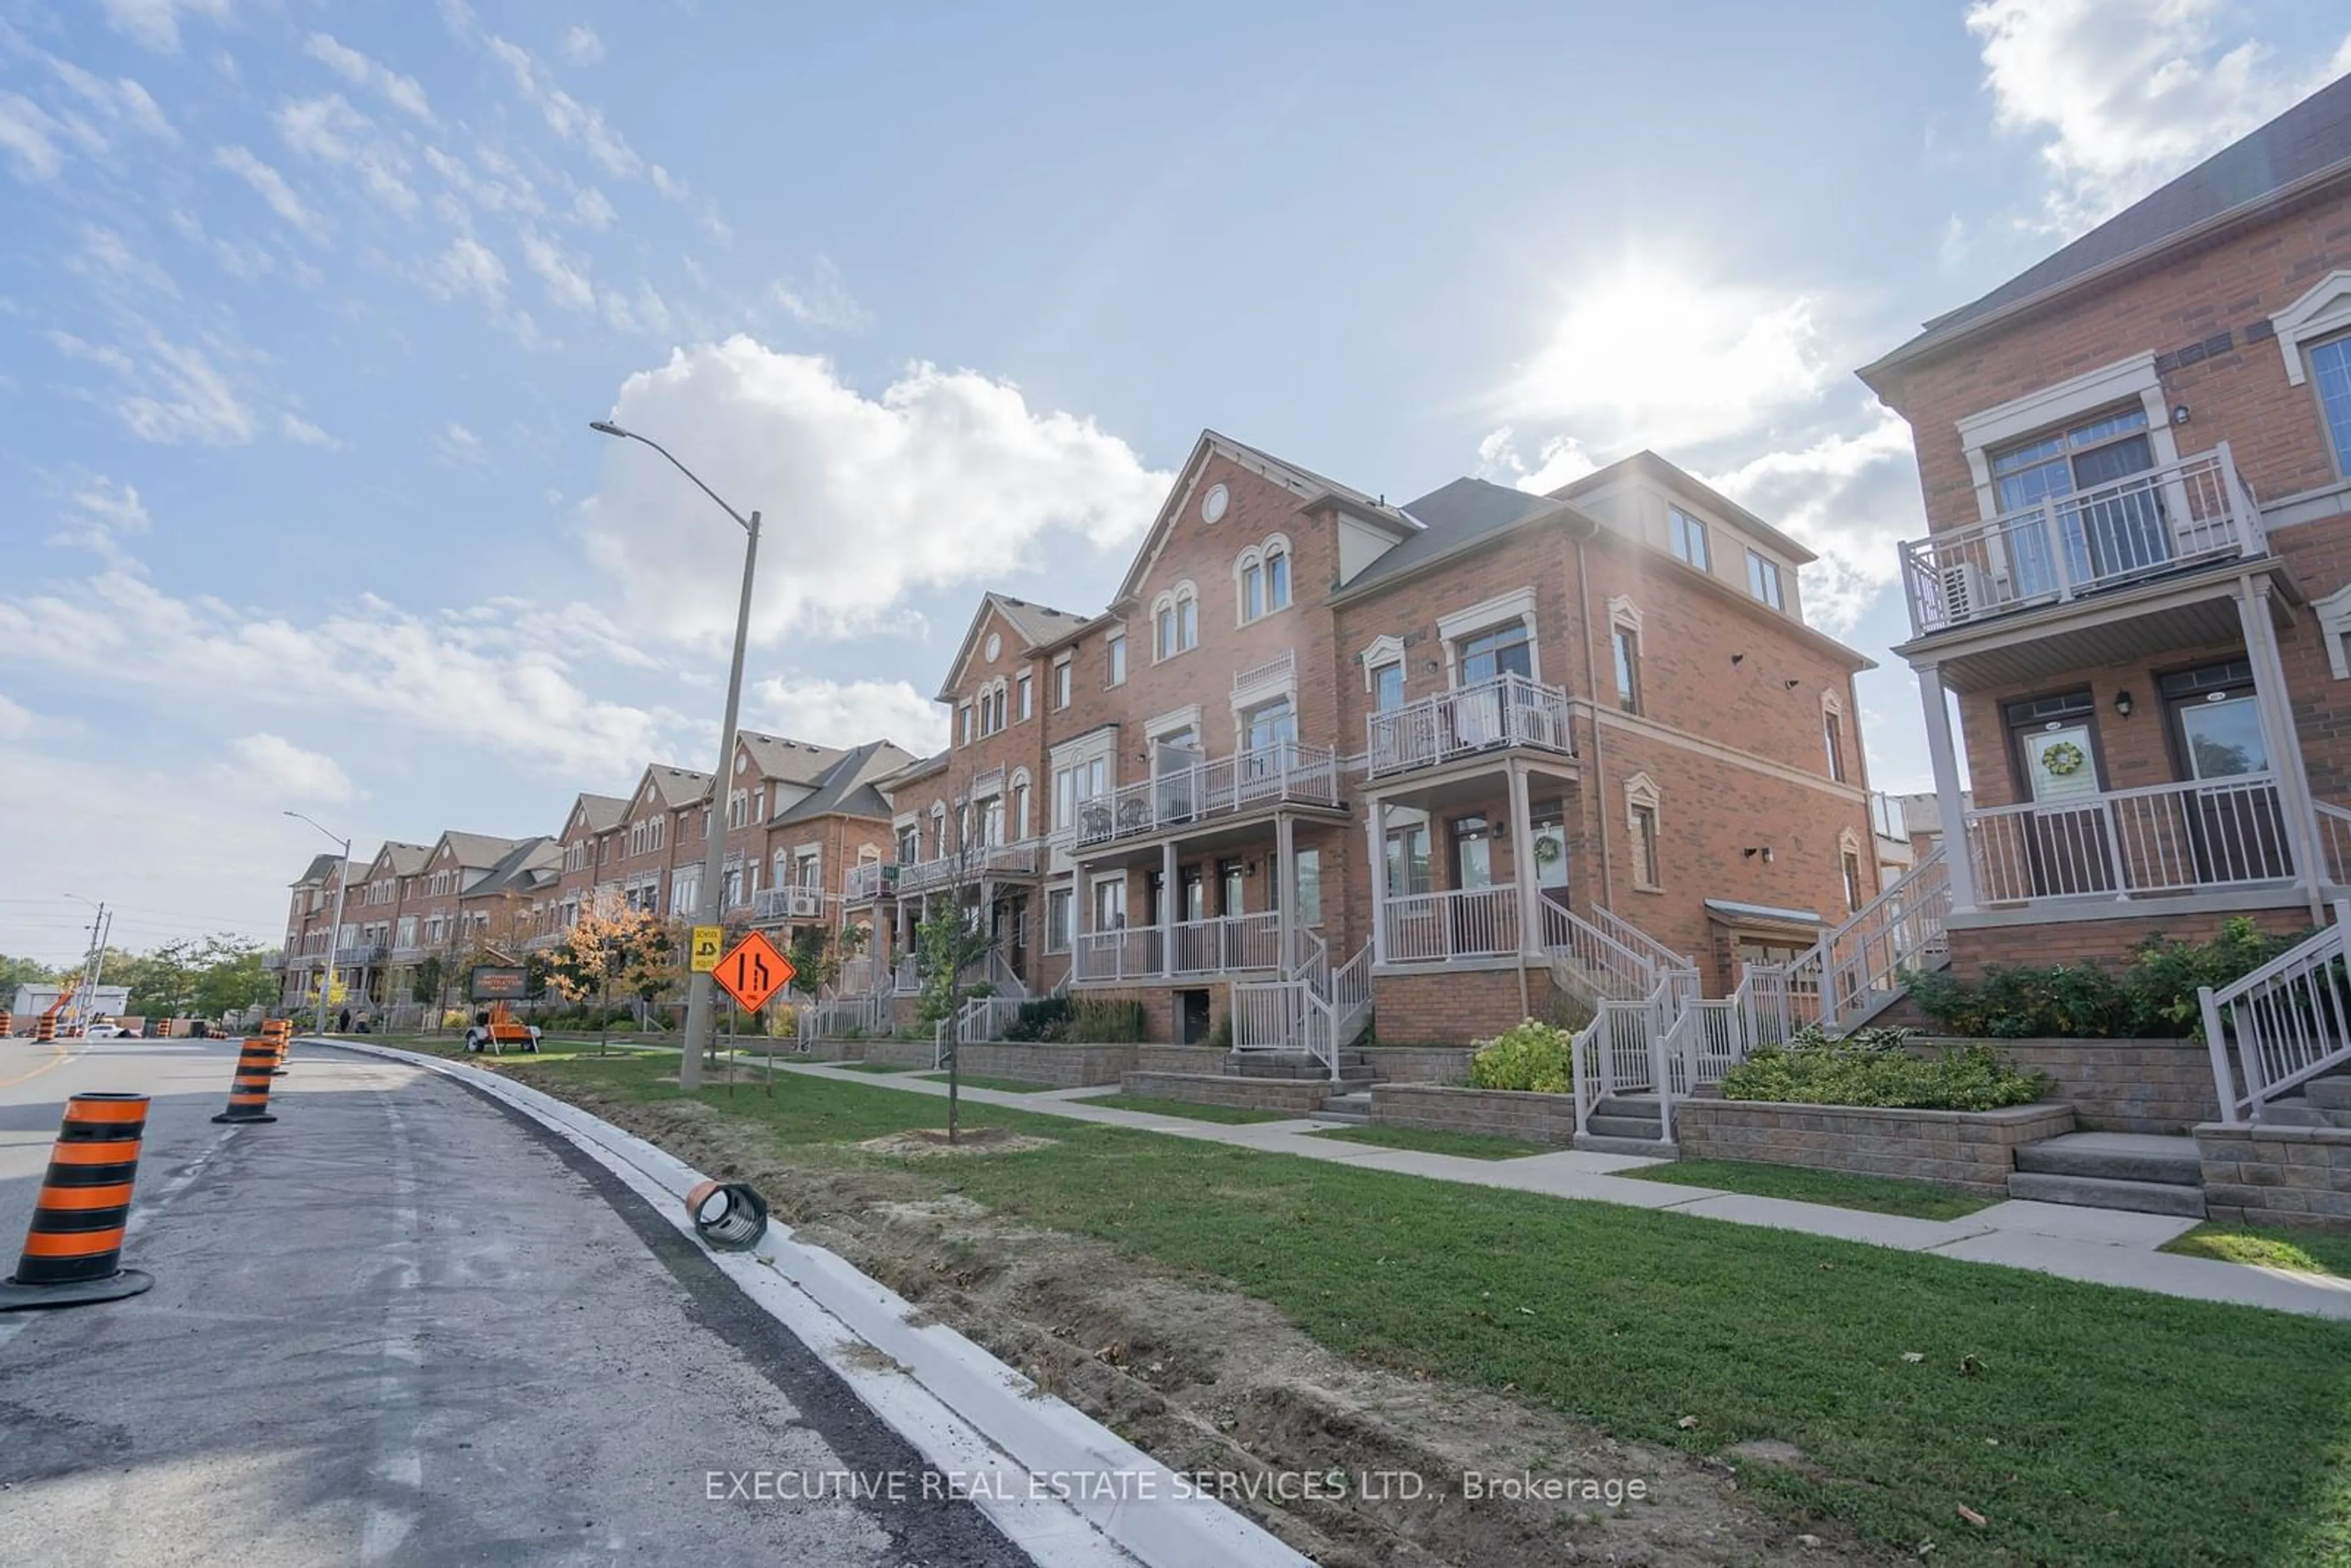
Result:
x=1285 y=773
x=2167 y=839
x=865 y=883
x=362 y=953
x=1507 y=711
x=992 y=861
x=1127 y=955
x=787 y=904
x=2189 y=513
x=1464 y=922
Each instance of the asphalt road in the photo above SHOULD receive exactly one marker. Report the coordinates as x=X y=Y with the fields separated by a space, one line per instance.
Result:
x=402 y=1326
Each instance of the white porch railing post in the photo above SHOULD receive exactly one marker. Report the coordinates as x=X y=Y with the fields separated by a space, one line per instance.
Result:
x=2055 y=537
x=1375 y=815
x=2217 y=1043
x=1949 y=802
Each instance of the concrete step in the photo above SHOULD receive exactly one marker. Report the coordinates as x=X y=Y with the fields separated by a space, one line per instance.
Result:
x=1349 y=1118
x=2332 y=1093
x=1649 y=1148
x=2291 y=1113
x=1639 y=1127
x=1359 y=1100
x=2116 y=1156
x=2094 y=1192
x=1644 y=1105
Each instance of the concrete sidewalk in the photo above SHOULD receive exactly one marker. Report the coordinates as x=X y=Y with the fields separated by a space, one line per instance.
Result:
x=2099 y=1246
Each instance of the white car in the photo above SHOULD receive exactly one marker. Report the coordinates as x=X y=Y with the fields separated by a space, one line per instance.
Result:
x=107 y=1031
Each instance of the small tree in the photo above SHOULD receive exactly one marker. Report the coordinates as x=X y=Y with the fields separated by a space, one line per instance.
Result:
x=949 y=940
x=610 y=947
x=230 y=978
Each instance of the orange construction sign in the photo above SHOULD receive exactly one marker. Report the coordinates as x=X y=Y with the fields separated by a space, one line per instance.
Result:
x=754 y=971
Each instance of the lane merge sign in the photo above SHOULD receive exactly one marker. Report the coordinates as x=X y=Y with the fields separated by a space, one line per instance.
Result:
x=754 y=971
x=709 y=941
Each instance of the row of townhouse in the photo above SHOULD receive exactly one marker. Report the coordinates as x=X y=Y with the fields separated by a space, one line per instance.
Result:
x=2129 y=614
x=793 y=811
x=1444 y=760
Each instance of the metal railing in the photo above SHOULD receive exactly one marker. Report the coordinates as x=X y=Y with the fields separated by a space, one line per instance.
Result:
x=1282 y=663
x=869 y=1015
x=906 y=978
x=2194 y=510
x=2335 y=842
x=788 y=902
x=1509 y=710
x=984 y=1019
x=1601 y=965
x=864 y=883
x=1228 y=943
x=1464 y=922
x=2163 y=838
x=1285 y=772
x=1623 y=1051
x=1132 y=953
x=1628 y=934
x=2281 y=1025
x=1021 y=859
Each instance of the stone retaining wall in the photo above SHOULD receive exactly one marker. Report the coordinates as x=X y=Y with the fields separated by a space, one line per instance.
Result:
x=2277 y=1176
x=1971 y=1150
x=1294 y=1096
x=2116 y=1085
x=1062 y=1066
x=1418 y=1063
x=1492 y=1113
x=1179 y=1059
x=893 y=1052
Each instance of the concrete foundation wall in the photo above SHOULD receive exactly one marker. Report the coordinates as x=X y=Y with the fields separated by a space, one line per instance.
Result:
x=1971 y=1150
x=2277 y=1176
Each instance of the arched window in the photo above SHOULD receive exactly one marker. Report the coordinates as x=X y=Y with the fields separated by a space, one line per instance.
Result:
x=1277 y=575
x=1019 y=805
x=1175 y=621
x=1261 y=577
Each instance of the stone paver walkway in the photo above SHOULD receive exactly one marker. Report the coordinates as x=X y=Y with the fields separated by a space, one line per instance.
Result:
x=2100 y=1246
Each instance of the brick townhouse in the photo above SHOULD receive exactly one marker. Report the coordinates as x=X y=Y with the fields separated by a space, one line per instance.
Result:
x=814 y=817
x=586 y=845
x=1444 y=759
x=2129 y=616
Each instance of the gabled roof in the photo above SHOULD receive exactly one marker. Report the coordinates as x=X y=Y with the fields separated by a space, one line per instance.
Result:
x=603 y=812
x=848 y=789
x=673 y=786
x=475 y=852
x=2308 y=145
x=404 y=860
x=793 y=761
x=1034 y=624
x=522 y=867
x=320 y=868
x=920 y=768
x=1675 y=477
x=1452 y=517
x=1311 y=489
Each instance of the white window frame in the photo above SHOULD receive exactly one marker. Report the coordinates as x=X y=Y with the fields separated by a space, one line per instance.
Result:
x=1065 y=684
x=1114 y=657
x=1838 y=756
x=2038 y=412
x=1763 y=568
x=1624 y=615
x=1094 y=884
x=1456 y=627
x=1028 y=684
x=1641 y=795
x=1181 y=608
x=2321 y=313
x=1062 y=935
x=1694 y=527
x=1856 y=886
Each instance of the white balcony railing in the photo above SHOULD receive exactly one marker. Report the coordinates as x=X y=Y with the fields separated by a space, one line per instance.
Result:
x=1509 y=710
x=872 y=880
x=1465 y=923
x=1228 y=943
x=994 y=860
x=1132 y=953
x=1274 y=669
x=2144 y=524
x=2164 y=838
x=1285 y=772
x=788 y=902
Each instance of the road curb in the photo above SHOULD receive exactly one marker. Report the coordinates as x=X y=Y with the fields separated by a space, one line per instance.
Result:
x=1062 y=1486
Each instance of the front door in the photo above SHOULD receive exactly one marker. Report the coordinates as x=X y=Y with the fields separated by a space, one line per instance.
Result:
x=2236 y=829
x=1476 y=921
x=2062 y=850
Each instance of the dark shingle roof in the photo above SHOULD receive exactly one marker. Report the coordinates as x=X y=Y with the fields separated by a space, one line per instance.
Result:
x=2307 y=140
x=1450 y=517
x=518 y=868
x=847 y=789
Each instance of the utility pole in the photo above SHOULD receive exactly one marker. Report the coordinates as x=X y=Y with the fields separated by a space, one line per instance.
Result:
x=334 y=921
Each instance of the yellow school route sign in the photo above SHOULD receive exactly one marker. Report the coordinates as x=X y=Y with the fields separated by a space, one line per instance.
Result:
x=709 y=941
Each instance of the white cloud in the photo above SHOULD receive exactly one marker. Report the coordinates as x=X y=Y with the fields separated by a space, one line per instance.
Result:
x=944 y=477
x=331 y=131
x=567 y=285
x=28 y=136
x=1560 y=460
x=574 y=121
x=174 y=394
x=591 y=208
x=271 y=187
x=822 y=301
x=15 y=720
x=272 y=765
x=122 y=102
x=107 y=251
x=500 y=188
x=454 y=444
x=1852 y=498
x=402 y=92
x=302 y=432
x=581 y=47
x=1646 y=358
x=2123 y=97
x=155 y=23
x=845 y=712
x=113 y=504
x=468 y=267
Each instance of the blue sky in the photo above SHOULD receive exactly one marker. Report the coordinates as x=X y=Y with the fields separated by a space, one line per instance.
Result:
x=304 y=308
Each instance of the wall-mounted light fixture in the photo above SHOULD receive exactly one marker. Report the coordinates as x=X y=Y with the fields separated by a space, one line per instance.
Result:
x=1752 y=851
x=2123 y=703
x=1791 y=683
x=2179 y=413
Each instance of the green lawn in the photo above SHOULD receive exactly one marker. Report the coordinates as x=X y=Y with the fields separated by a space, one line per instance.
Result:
x=1469 y=1146
x=1878 y=1195
x=2302 y=1252
x=2089 y=1426
x=1010 y=1085
x=1151 y=1105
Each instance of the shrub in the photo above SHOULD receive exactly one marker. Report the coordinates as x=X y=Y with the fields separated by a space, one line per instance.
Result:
x=1874 y=1069
x=1045 y=1019
x=1221 y=1034
x=1533 y=1056
x=455 y=1018
x=2154 y=996
x=1111 y=1019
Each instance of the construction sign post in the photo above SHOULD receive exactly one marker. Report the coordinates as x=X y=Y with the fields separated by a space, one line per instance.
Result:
x=753 y=972
x=708 y=942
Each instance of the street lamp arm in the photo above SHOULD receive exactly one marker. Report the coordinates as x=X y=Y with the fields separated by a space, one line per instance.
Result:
x=605 y=427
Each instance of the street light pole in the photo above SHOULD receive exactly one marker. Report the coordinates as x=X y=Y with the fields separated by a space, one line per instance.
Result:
x=701 y=993
x=334 y=921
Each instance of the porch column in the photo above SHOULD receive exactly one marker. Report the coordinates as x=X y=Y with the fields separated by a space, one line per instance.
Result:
x=1375 y=828
x=1167 y=909
x=1958 y=859
x=2285 y=745
x=1522 y=861
x=1285 y=888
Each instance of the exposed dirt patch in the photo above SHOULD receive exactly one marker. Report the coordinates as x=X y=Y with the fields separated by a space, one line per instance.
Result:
x=931 y=1143
x=1213 y=1381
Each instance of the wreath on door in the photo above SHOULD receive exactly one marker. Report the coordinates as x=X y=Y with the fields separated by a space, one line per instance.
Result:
x=2064 y=760
x=1547 y=850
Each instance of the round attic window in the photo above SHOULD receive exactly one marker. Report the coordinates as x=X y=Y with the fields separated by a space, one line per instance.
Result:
x=995 y=646
x=1213 y=504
